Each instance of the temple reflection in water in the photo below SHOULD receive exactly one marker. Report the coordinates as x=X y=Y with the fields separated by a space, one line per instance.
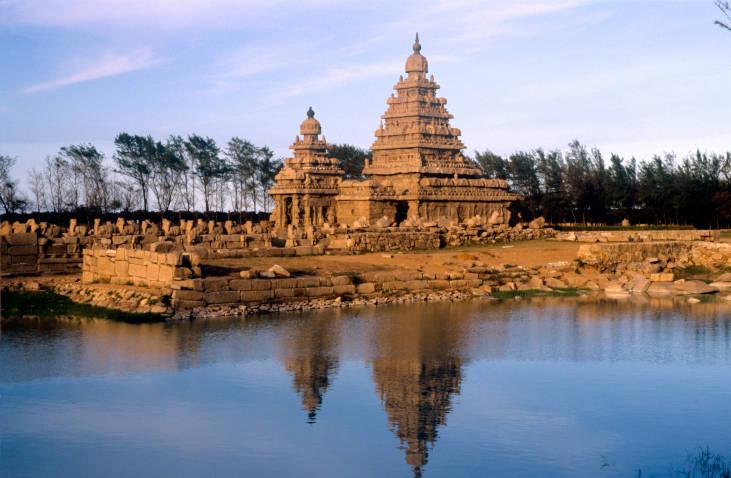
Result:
x=415 y=355
x=311 y=356
x=417 y=369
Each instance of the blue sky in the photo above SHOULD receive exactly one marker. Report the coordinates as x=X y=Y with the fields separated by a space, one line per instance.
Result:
x=633 y=77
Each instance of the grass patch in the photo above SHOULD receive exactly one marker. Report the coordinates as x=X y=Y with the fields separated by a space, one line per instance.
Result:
x=694 y=272
x=49 y=304
x=511 y=294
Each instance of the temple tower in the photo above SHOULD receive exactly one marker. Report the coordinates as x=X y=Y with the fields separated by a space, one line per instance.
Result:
x=418 y=171
x=304 y=190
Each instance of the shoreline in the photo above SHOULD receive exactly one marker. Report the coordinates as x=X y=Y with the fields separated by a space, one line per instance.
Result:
x=14 y=299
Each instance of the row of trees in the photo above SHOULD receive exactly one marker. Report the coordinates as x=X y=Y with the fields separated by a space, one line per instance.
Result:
x=582 y=186
x=147 y=174
x=579 y=185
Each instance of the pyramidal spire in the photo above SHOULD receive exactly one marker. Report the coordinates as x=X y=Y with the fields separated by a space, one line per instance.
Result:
x=417 y=45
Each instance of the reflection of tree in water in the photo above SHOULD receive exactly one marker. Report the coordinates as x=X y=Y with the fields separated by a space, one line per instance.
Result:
x=311 y=356
x=417 y=370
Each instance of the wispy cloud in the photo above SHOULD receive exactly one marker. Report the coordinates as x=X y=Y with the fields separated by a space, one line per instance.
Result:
x=163 y=14
x=343 y=75
x=104 y=67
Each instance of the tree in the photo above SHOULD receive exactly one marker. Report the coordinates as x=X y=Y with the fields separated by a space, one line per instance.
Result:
x=87 y=164
x=10 y=199
x=621 y=187
x=207 y=164
x=351 y=159
x=725 y=8
x=492 y=165
x=554 y=200
x=267 y=169
x=37 y=188
x=242 y=156
x=57 y=175
x=133 y=157
x=167 y=167
x=523 y=176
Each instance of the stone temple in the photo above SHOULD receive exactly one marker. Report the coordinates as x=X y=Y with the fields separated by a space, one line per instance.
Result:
x=417 y=174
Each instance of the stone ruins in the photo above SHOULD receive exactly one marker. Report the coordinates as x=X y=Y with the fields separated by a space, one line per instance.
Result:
x=417 y=174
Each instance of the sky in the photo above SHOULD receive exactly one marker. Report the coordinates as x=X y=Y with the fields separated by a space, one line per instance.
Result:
x=630 y=77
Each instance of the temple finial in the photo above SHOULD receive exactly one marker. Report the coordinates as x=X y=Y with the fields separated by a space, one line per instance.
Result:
x=417 y=45
x=310 y=112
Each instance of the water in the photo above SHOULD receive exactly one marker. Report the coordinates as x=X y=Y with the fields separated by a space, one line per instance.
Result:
x=549 y=388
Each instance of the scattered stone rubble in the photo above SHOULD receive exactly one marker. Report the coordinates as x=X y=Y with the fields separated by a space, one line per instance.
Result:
x=30 y=247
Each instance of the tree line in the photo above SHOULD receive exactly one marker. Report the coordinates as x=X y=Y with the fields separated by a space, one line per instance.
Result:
x=147 y=174
x=581 y=185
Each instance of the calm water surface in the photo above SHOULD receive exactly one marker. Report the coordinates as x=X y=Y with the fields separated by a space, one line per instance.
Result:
x=473 y=389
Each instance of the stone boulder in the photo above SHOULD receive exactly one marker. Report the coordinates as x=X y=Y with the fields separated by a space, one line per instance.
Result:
x=693 y=287
x=278 y=271
x=537 y=223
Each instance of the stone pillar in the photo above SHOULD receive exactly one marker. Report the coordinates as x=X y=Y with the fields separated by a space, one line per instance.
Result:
x=295 y=210
x=413 y=212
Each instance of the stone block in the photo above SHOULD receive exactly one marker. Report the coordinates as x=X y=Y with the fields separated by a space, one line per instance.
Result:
x=222 y=297
x=121 y=268
x=23 y=250
x=319 y=291
x=284 y=293
x=153 y=271
x=284 y=283
x=137 y=270
x=22 y=239
x=167 y=273
x=393 y=285
x=240 y=284
x=188 y=295
x=187 y=304
x=365 y=288
x=87 y=277
x=416 y=284
x=216 y=284
x=308 y=282
x=261 y=284
x=23 y=259
x=407 y=275
x=439 y=284
x=256 y=295
x=344 y=289
x=341 y=280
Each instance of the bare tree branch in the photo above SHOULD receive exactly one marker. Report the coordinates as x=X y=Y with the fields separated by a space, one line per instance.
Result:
x=725 y=8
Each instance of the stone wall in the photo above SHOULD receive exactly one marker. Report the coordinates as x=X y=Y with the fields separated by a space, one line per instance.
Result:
x=192 y=293
x=32 y=248
x=639 y=236
x=383 y=240
x=651 y=257
x=29 y=253
x=155 y=270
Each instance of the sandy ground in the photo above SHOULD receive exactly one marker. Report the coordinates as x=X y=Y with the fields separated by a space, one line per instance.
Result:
x=526 y=253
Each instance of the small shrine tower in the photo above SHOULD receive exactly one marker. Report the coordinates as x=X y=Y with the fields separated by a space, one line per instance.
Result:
x=304 y=190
